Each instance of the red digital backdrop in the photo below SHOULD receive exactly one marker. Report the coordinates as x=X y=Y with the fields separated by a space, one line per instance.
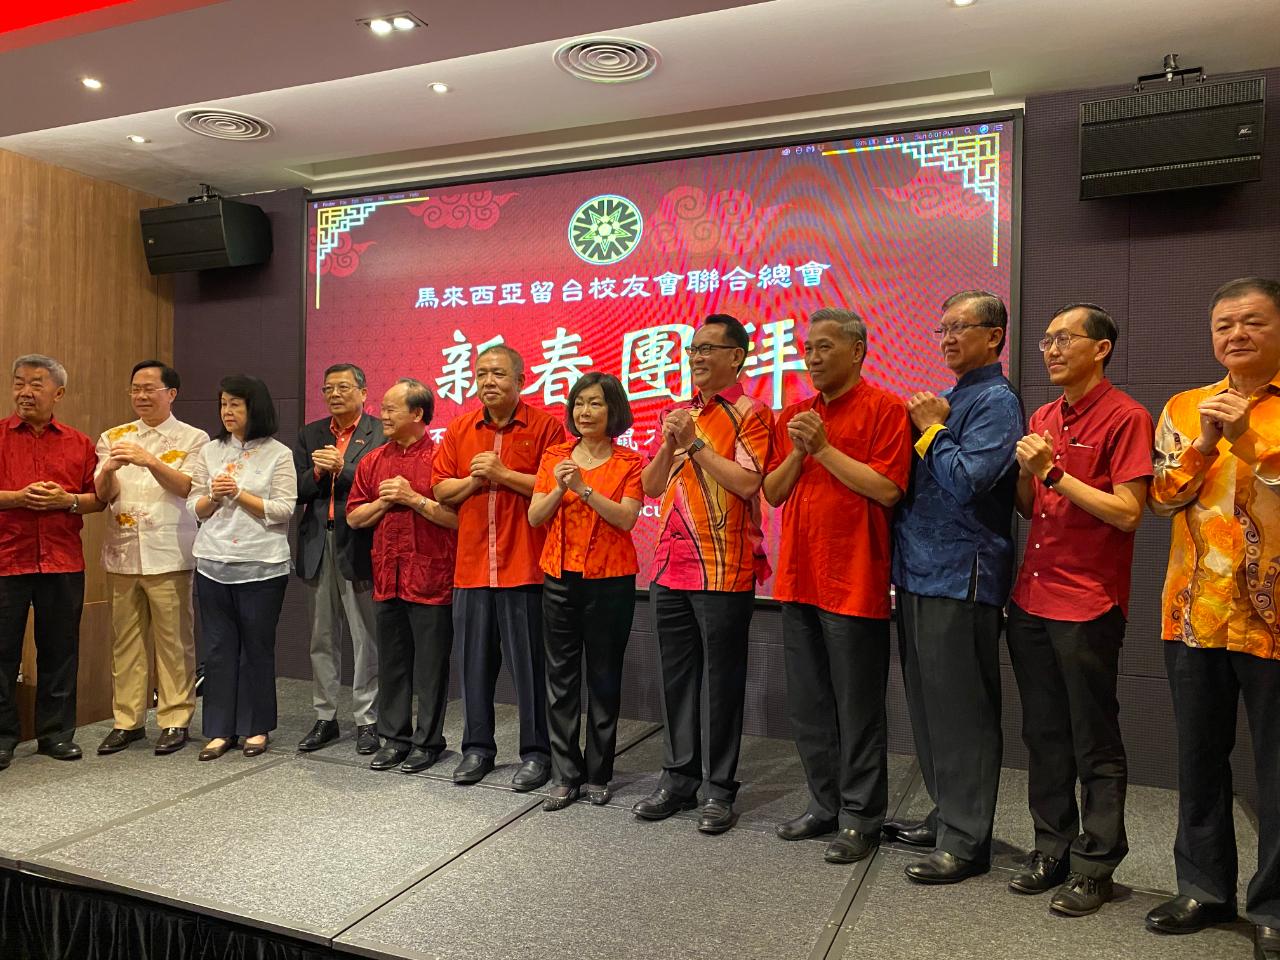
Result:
x=612 y=269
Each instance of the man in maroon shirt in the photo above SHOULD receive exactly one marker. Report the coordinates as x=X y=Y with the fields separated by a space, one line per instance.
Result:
x=1084 y=468
x=46 y=483
x=414 y=546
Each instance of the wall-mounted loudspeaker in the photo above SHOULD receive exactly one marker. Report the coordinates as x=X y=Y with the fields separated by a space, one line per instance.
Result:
x=1198 y=135
x=205 y=234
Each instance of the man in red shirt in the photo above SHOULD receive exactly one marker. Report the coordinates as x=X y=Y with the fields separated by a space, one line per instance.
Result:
x=837 y=465
x=413 y=556
x=1084 y=469
x=486 y=469
x=46 y=483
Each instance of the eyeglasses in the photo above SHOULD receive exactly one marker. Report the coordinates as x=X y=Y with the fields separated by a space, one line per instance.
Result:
x=704 y=349
x=1062 y=341
x=145 y=390
x=955 y=329
x=342 y=389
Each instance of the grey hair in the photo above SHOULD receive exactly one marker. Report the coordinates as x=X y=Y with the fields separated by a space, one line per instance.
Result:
x=56 y=370
x=850 y=324
x=516 y=361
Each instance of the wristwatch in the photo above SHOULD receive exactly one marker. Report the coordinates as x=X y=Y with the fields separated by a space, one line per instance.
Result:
x=694 y=447
x=1052 y=477
x=586 y=494
x=75 y=504
x=422 y=505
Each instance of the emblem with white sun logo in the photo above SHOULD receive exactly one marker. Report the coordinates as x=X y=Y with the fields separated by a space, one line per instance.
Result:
x=605 y=229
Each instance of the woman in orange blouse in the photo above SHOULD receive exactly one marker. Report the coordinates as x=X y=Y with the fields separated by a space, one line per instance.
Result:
x=588 y=491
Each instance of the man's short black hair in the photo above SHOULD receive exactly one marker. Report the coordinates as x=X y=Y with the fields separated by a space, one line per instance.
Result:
x=418 y=396
x=168 y=376
x=1097 y=324
x=1244 y=286
x=615 y=399
x=257 y=401
x=356 y=373
x=734 y=331
x=987 y=307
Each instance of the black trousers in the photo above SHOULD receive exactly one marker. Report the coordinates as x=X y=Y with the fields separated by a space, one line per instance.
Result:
x=591 y=619
x=58 y=599
x=495 y=623
x=837 y=669
x=702 y=639
x=238 y=629
x=414 y=643
x=1206 y=687
x=950 y=652
x=1066 y=674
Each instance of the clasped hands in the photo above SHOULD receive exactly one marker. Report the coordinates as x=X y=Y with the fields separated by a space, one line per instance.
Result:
x=807 y=433
x=328 y=459
x=1224 y=415
x=396 y=490
x=124 y=453
x=46 y=495
x=1035 y=454
x=569 y=476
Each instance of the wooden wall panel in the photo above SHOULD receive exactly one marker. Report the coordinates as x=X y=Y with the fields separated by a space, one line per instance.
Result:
x=74 y=285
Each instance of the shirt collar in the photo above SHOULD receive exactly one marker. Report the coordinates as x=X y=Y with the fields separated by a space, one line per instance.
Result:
x=730 y=395
x=16 y=422
x=989 y=372
x=333 y=426
x=1225 y=384
x=413 y=447
x=820 y=402
x=164 y=427
x=518 y=415
x=1096 y=393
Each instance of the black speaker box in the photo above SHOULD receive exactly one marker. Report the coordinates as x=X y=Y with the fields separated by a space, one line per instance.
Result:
x=205 y=234
x=1198 y=135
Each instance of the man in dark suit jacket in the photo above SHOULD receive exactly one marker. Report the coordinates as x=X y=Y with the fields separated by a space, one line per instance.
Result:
x=333 y=559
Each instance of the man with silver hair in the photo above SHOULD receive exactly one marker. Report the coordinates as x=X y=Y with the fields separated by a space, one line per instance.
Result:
x=46 y=484
x=838 y=464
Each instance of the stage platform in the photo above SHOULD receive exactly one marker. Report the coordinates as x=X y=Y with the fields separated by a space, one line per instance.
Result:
x=321 y=851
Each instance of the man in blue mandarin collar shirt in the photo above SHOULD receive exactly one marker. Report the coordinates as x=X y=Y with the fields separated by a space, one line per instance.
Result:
x=952 y=568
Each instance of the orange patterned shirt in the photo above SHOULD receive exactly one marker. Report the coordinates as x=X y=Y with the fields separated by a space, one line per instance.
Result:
x=579 y=540
x=1224 y=560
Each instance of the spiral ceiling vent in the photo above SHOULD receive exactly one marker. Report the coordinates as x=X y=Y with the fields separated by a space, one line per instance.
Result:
x=224 y=124
x=607 y=60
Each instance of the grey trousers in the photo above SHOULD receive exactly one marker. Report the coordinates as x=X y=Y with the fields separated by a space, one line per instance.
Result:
x=330 y=597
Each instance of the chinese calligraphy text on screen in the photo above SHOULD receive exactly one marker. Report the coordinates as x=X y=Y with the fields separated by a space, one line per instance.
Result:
x=612 y=269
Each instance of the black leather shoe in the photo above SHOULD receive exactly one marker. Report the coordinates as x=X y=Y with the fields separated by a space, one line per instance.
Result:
x=1043 y=873
x=1266 y=943
x=661 y=804
x=419 y=760
x=531 y=775
x=472 y=769
x=6 y=758
x=171 y=740
x=716 y=816
x=118 y=739
x=913 y=834
x=941 y=867
x=1081 y=895
x=804 y=826
x=367 y=741
x=850 y=846
x=388 y=757
x=561 y=797
x=1188 y=915
x=325 y=731
x=66 y=750
x=597 y=794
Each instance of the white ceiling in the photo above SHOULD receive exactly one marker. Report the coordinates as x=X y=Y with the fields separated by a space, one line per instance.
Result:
x=352 y=111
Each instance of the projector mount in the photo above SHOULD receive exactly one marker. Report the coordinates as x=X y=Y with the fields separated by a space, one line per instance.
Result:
x=1171 y=70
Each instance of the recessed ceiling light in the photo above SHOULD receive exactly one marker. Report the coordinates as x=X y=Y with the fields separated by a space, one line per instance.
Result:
x=403 y=23
x=439 y=87
x=91 y=83
x=380 y=27
x=134 y=138
x=961 y=3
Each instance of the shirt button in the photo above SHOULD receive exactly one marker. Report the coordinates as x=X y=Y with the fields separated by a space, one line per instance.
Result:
x=1035 y=574
x=1037 y=546
x=1042 y=516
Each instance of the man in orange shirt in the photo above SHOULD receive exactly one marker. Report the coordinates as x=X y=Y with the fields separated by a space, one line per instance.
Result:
x=706 y=466
x=1217 y=469
x=837 y=465
x=486 y=469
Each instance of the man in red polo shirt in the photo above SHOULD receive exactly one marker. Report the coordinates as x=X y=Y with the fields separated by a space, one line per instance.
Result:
x=486 y=469
x=413 y=556
x=837 y=465
x=46 y=483
x=1084 y=469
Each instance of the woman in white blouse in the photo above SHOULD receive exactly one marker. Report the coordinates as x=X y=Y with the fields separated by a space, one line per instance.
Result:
x=243 y=489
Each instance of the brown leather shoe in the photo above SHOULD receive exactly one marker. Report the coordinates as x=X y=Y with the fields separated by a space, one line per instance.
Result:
x=118 y=739
x=171 y=740
x=256 y=749
x=213 y=753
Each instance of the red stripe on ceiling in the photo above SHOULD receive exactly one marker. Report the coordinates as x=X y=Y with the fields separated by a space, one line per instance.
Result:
x=28 y=23
x=18 y=15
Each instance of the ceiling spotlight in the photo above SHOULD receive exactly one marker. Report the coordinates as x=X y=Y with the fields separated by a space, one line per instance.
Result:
x=439 y=87
x=961 y=3
x=134 y=138
x=403 y=23
x=380 y=27
x=91 y=83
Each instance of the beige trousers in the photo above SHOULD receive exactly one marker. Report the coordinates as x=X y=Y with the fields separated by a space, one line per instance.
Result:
x=152 y=619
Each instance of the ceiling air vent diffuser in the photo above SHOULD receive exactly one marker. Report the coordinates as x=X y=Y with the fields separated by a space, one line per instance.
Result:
x=224 y=124
x=607 y=59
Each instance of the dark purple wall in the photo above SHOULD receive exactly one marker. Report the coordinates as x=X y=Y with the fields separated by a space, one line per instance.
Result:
x=1152 y=261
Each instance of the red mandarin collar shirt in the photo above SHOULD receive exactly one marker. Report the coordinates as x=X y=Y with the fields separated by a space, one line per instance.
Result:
x=496 y=545
x=412 y=557
x=43 y=541
x=1077 y=567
